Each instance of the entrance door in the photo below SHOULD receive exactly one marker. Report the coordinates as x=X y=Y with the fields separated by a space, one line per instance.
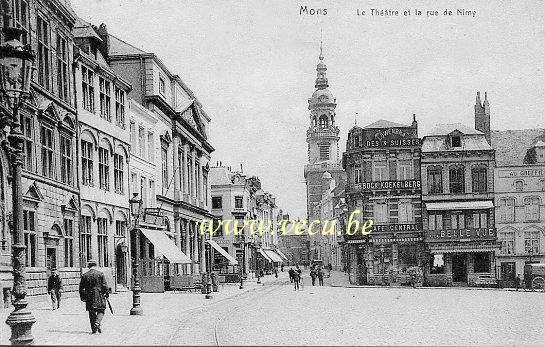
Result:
x=459 y=268
x=508 y=274
x=151 y=276
x=121 y=267
x=51 y=258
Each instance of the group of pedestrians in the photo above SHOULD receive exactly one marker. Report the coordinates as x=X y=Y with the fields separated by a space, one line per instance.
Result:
x=296 y=277
x=317 y=272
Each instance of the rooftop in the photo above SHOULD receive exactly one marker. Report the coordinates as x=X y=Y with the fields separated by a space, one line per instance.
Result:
x=379 y=124
x=512 y=145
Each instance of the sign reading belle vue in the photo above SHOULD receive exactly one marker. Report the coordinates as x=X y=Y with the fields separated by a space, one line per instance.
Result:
x=408 y=184
x=461 y=234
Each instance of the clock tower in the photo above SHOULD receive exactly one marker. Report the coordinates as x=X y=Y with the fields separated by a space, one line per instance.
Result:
x=322 y=139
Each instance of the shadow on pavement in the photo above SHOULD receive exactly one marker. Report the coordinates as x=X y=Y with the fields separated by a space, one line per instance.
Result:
x=70 y=332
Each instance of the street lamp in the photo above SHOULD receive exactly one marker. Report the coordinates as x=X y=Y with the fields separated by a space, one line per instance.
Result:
x=208 y=284
x=16 y=66
x=382 y=263
x=136 y=206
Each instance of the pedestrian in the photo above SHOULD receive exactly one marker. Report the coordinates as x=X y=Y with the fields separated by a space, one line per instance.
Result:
x=296 y=279
x=93 y=290
x=330 y=267
x=275 y=272
x=321 y=276
x=517 y=283
x=299 y=275
x=54 y=288
x=291 y=272
x=282 y=268
x=313 y=275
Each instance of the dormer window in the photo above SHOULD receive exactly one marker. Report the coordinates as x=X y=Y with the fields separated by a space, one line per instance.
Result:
x=455 y=141
x=161 y=86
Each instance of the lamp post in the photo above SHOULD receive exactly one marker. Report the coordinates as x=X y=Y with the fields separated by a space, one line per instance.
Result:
x=136 y=206
x=16 y=66
x=382 y=263
x=208 y=266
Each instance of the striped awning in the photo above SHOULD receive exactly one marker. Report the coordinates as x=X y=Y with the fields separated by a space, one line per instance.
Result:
x=463 y=247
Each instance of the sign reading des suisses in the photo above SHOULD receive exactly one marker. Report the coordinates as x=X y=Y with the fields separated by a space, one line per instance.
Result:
x=392 y=137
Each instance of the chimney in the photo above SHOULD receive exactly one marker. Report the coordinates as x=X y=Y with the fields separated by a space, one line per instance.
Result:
x=482 y=115
x=241 y=171
x=104 y=46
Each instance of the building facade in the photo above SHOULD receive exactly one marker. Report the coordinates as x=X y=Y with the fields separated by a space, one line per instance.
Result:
x=104 y=155
x=382 y=162
x=458 y=197
x=50 y=181
x=519 y=195
x=322 y=139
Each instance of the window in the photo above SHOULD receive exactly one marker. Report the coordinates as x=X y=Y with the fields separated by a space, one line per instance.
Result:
x=481 y=262
x=238 y=202
x=197 y=180
x=216 y=202
x=132 y=131
x=164 y=168
x=46 y=135
x=542 y=183
x=103 y=168
x=324 y=121
x=380 y=213
x=435 y=180
x=42 y=33
x=380 y=172
x=105 y=104
x=357 y=175
x=151 y=148
x=151 y=193
x=480 y=220
x=455 y=141
x=29 y=229
x=66 y=160
x=189 y=180
x=507 y=242
x=86 y=163
x=457 y=221
x=406 y=212
x=102 y=238
x=531 y=208
x=28 y=143
x=62 y=68
x=356 y=140
x=141 y=142
x=86 y=224
x=120 y=108
x=20 y=18
x=519 y=185
x=161 y=86
x=205 y=184
x=405 y=170
x=324 y=151
x=118 y=173
x=507 y=210
x=143 y=191
x=435 y=222
x=68 y=242
x=120 y=227
x=134 y=187
x=457 y=180
x=88 y=89
x=531 y=242
x=478 y=177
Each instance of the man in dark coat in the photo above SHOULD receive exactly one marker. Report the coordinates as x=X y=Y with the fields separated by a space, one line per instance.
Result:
x=54 y=287
x=313 y=274
x=291 y=272
x=94 y=290
x=320 y=276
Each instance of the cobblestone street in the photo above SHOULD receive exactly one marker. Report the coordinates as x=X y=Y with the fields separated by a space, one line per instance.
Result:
x=274 y=313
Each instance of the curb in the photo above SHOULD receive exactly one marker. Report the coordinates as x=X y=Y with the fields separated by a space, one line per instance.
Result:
x=455 y=288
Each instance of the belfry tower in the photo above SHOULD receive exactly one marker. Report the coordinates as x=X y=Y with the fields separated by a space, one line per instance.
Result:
x=323 y=140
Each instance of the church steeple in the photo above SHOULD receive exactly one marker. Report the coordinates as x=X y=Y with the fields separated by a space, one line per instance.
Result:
x=321 y=68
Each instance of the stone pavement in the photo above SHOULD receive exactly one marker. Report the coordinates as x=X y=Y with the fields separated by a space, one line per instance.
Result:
x=70 y=324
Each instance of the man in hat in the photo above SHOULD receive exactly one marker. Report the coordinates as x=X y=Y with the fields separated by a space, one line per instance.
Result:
x=54 y=287
x=94 y=290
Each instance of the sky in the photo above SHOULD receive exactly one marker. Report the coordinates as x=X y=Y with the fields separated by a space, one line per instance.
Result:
x=251 y=63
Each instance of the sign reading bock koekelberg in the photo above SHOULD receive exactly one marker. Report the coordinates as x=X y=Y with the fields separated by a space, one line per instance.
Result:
x=461 y=234
x=407 y=184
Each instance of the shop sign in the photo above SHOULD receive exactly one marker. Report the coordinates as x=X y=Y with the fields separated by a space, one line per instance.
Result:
x=474 y=234
x=392 y=137
x=396 y=227
x=525 y=172
x=382 y=185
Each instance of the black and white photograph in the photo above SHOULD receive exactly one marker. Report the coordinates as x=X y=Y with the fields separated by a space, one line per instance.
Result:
x=272 y=173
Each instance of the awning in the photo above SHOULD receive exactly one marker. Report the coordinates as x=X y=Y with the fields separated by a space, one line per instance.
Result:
x=232 y=261
x=165 y=246
x=281 y=254
x=273 y=255
x=463 y=247
x=459 y=205
x=265 y=255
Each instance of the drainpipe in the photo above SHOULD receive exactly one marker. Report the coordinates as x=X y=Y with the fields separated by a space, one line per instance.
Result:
x=74 y=85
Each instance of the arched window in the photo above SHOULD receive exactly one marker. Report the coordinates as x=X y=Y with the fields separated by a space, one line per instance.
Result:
x=435 y=179
x=479 y=178
x=324 y=121
x=457 y=179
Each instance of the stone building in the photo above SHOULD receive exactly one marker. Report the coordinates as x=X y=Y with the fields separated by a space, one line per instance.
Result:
x=322 y=139
x=519 y=195
x=458 y=198
x=382 y=162
x=104 y=154
x=296 y=248
x=50 y=180
x=182 y=147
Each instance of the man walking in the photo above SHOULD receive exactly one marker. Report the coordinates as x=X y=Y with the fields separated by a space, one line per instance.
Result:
x=517 y=282
x=54 y=287
x=313 y=275
x=93 y=290
x=321 y=276
x=291 y=272
x=296 y=279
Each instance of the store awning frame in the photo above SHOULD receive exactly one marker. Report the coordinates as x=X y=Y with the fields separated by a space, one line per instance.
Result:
x=261 y=251
x=459 y=205
x=164 y=246
x=229 y=257
x=281 y=254
x=464 y=248
x=273 y=255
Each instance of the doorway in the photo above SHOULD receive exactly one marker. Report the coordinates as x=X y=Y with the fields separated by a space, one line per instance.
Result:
x=459 y=268
x=508 y=274
x=121 y=265
x=51 y=258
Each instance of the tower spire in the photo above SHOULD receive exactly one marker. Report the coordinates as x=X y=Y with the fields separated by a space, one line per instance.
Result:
x=356 y=119
x=321 y=68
